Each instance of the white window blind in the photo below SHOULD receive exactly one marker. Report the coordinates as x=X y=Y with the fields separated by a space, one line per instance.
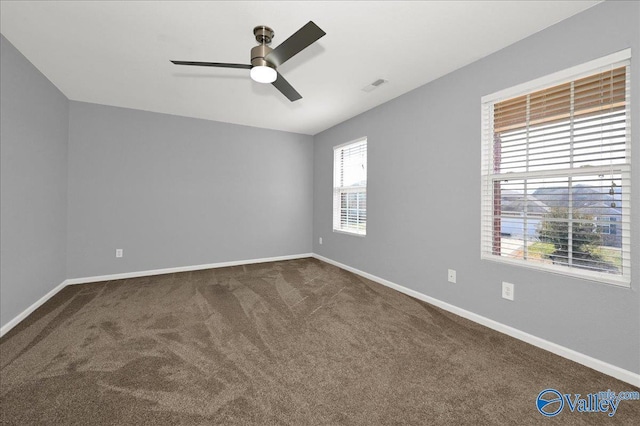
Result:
x=350 y=187
x=556 y=175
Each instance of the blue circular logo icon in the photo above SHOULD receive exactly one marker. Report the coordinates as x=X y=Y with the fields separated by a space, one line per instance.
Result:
x=550 y=402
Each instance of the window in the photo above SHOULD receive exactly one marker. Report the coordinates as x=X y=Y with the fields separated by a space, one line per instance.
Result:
x=556 y=172
x=350 y=187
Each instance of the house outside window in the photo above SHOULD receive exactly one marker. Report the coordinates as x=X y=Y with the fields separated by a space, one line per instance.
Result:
x=556 y=172
x=350 y=187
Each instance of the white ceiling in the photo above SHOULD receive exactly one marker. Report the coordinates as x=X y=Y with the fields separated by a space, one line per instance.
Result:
x=117 y=52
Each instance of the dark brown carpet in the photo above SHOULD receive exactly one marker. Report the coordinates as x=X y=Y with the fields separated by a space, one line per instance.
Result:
x=297 y=343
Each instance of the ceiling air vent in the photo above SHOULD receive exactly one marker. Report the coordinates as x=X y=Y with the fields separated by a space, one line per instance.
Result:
x=379 y=82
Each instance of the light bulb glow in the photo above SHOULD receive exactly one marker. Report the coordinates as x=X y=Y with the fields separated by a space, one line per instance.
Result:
x=263 y=74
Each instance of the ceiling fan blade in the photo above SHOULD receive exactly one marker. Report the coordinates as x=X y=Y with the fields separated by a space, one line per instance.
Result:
x=295 y=44
x=213 y=64
x=283 y=86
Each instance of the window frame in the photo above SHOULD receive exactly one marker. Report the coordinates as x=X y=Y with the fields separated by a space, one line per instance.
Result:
x=336 y=213
x=488 y=216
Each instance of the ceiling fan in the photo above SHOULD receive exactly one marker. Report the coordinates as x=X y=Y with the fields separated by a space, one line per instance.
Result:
x=265 y=60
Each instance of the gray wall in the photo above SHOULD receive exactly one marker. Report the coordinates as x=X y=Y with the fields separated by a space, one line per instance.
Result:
x=174 y=191
x=424 y=194
x=34 y=129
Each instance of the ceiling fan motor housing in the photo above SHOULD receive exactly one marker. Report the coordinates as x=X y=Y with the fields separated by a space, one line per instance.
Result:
x=264 y=35
x=257 y=56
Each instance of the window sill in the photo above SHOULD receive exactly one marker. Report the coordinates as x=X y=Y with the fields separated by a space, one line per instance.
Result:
x=354 y=234
x=615 y=280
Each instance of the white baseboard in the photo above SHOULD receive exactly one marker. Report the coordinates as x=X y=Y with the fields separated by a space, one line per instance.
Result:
x=580 y=358
x=136 y=274
x=22 y=315
x=8 y=326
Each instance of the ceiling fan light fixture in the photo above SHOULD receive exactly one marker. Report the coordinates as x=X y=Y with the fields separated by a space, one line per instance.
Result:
x=263 y=74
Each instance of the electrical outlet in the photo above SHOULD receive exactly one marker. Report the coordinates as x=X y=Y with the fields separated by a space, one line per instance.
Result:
x=452 y=276
x=119 y=253
x=320 y=240
x=508 y=290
